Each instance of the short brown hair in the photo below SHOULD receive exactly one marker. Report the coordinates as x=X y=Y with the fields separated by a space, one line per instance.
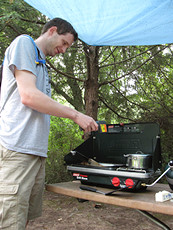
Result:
x=62 y=25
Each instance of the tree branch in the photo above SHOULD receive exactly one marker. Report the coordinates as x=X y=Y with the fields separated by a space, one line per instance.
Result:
x=64 y=74
x=109 y=107
x=131 y=102
x=128 y=59
x=14 y=29
x=131 y=71
x=62 y=93
x=32 y=21
x=108 y=57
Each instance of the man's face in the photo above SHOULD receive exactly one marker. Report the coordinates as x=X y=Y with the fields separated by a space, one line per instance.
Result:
x=58 y=43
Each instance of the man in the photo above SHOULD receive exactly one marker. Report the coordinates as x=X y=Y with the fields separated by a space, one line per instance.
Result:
x=26 y=107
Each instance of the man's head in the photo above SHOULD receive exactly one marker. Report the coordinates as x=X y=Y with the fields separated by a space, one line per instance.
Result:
x=58 y=35
x=63 y=27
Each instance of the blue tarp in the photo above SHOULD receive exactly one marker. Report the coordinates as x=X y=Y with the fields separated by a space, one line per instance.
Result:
x=114 y=22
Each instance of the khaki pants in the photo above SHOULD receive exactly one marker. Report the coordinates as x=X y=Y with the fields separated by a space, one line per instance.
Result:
x=21 y=187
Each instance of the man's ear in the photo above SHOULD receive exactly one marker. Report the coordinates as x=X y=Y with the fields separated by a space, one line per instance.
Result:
x=52 y=30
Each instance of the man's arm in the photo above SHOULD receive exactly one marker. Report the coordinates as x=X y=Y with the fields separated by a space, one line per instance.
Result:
x=35 y=99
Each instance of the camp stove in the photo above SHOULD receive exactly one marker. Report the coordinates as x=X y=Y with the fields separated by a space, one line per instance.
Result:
x=123 y=156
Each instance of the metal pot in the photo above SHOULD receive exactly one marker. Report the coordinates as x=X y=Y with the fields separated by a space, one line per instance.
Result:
x=139 y=160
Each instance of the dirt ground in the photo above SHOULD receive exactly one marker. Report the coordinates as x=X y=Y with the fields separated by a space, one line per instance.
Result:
x=67 y=213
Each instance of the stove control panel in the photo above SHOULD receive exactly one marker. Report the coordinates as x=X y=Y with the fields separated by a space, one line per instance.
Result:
x=123 y=182
x=128 y=128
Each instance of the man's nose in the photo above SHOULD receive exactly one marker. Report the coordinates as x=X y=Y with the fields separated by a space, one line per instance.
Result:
x=63 y=50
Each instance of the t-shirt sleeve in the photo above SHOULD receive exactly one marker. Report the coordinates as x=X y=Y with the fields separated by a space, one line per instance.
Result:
x=22 y=55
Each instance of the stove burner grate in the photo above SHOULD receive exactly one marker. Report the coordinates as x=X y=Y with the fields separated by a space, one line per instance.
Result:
x=132 y=170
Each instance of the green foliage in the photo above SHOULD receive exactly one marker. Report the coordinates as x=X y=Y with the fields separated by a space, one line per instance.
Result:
x=17 y=17
x=64 y=136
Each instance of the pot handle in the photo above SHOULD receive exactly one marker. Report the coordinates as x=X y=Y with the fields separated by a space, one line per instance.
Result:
x=139 y=152
x=126 y=155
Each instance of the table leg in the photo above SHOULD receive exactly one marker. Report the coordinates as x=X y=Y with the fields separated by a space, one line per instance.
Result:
x=154 y=219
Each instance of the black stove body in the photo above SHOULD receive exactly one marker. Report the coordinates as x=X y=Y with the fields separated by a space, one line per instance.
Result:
x=109 y=147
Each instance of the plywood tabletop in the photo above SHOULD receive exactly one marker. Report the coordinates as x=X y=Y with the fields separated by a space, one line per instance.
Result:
x=137 y=200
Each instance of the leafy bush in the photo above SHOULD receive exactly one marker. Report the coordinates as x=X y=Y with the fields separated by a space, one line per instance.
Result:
x=64 y=136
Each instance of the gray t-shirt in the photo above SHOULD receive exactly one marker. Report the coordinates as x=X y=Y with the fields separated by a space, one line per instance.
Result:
x=23 y=129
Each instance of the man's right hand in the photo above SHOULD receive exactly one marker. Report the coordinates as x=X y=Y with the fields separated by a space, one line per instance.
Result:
x=87 y=123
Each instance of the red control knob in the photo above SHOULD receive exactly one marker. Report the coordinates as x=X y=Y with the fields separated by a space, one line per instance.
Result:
x=116 y=181
x=129 y=183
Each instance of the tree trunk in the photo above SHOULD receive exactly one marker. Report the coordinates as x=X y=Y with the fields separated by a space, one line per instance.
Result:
x=91 y=84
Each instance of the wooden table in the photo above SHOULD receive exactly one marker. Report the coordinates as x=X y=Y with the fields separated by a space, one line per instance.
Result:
x=144 y=201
